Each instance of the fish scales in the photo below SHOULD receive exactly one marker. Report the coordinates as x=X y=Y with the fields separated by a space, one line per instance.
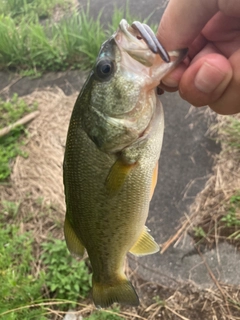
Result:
x=91 y=197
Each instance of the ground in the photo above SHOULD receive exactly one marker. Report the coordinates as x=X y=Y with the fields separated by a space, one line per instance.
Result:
x=37 y=183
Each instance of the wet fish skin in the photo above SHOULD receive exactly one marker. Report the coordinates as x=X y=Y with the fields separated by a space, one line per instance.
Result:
x=110 y=164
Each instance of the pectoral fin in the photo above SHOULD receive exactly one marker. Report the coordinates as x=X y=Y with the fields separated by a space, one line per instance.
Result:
x=145 y=244
x=154 y=180
x=117 y=176
x=73 y=243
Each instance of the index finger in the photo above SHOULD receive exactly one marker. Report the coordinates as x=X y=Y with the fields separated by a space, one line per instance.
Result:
x=183 y=20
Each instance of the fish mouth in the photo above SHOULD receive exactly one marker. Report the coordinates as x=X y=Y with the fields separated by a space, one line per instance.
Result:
x=150 y=39
x=130 y=41
x=140 y=42
x=128 y=31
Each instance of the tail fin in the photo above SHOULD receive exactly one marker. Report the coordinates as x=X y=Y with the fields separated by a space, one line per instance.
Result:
x=120 y=291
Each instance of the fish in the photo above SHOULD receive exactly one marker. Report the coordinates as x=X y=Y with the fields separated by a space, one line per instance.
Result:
x=111 y=158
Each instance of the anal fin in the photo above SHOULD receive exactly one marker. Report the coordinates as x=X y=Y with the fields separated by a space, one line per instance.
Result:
x=145 y=244
x=73 y=243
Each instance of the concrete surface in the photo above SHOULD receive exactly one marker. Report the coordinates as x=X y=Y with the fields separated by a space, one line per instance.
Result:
x=140 y=9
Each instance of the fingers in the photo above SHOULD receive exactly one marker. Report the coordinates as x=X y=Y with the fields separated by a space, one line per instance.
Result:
x=229 y=7
x=211 y=30
x=229 y=101
x=211 y=79
x=205 y=80
x=171 y=82
x=183 y=20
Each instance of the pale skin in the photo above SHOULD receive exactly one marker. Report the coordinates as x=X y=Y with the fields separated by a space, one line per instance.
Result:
x=210 y=75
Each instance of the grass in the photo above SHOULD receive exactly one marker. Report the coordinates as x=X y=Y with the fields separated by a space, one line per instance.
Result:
x=10 y=145
x=30 y=47
x=103 y=315
x=232 y=132
x=66 y=278
x=17 y=9
x=18 y=285
x=13 y=109
x=73 y=42
x=28 y=292
x=224 y=226
x=61 y=277
x=120 y=13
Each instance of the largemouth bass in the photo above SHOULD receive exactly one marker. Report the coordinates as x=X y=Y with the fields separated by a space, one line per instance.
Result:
x=111 y=158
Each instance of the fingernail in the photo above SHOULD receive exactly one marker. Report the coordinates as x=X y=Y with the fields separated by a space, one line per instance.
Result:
x=170 y=82
x=208 y=78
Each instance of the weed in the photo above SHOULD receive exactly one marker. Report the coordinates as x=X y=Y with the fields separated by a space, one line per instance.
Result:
x=235 y=199
x=66 y=278
x=39 y=201
x=232 y=134
x=9 y=149
x=159 y=301
x=235 y=235
x=124 y=13
x=105 y=315
x=41 y=8
x=118 y=14
x=10 y=209
x=18 y=286
x=10 y=145
x=31 y=73
x=73 y=42
x=92 y=36
x=13 y=109
x=80 y=37
x=232 y=218
x=199 y=232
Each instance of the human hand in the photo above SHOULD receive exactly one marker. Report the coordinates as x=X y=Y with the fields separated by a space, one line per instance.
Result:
x=210 y=75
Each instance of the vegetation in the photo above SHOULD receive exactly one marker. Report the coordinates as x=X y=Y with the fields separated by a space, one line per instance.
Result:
x=17 y=9
x=227 y=225
x=35 y=47
x=73 y=42
x=66 y=278
x=10 y=145
x=19 y=286
x=63 y=277
x=222 y=223
x=232 y=133
x=13 y=109
x=105 y=315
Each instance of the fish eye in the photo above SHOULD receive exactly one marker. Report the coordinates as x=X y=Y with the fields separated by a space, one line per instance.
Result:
x=104 y=69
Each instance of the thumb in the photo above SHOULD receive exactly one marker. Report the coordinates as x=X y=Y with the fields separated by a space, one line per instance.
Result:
x=206 y=79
